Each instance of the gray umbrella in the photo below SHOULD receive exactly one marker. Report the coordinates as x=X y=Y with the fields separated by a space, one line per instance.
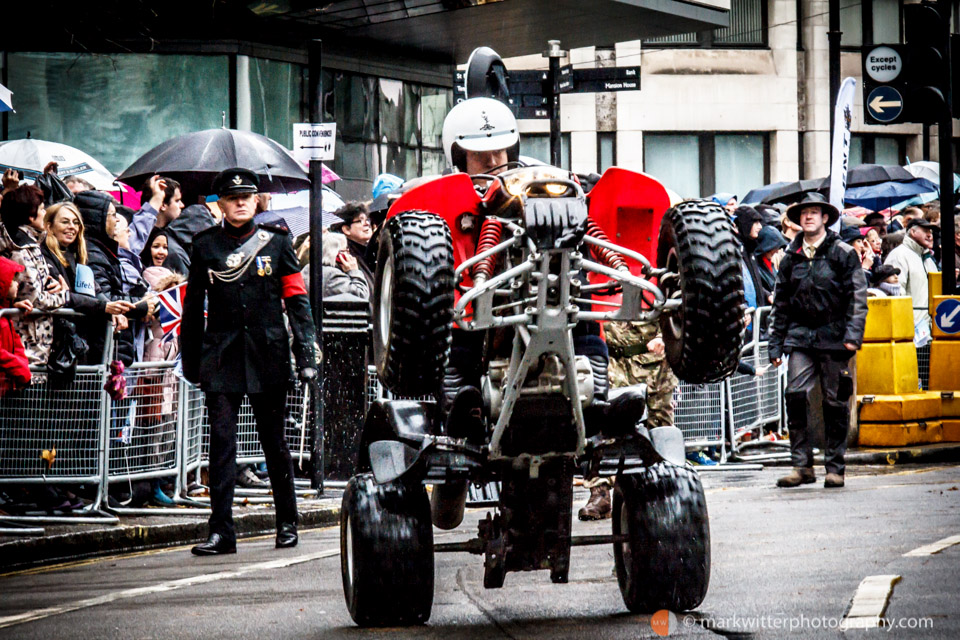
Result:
x=195 y=158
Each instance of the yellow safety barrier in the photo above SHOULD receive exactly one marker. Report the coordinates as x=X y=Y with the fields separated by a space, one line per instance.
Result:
x=889 y=319
x=951 y=430
x=944 y=365
x=887 y=368
x=900 y=434
x=900 y=408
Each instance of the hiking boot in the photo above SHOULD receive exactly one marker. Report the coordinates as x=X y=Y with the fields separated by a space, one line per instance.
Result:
x=598 y=506
x=833 y=480
x=800 y=475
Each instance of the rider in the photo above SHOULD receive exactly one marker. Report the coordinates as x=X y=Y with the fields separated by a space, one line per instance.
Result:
x=481 y=136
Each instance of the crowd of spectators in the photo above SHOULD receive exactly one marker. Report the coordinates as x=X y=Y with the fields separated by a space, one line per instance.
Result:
x=106 y=263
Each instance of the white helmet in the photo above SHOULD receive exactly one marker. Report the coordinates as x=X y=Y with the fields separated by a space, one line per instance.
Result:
x=479 y=124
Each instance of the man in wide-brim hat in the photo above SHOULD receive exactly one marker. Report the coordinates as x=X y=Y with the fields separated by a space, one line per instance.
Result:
x=820 y=309
x=810 y=201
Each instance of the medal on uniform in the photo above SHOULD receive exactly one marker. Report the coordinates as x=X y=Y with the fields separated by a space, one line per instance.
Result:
x=260 y=270
x=267 y=269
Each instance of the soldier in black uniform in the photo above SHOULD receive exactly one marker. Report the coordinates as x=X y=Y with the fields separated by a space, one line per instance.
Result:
x=247 y=274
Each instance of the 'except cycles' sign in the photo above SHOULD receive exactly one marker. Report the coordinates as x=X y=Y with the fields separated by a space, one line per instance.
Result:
x=883 y=64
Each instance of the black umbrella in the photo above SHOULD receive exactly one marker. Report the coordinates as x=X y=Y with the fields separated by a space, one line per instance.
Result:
x=195 y=158
x=865 y=174
x=785 y=192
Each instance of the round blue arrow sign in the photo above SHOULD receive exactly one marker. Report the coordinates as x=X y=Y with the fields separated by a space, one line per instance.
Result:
x=885 y=104
x=947 y=316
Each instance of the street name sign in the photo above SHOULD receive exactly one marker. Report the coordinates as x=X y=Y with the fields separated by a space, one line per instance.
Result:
x=884 y=103
x=530 y=93
x=314 y=141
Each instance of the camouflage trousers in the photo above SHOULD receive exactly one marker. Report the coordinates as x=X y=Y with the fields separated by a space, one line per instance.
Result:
x=660 y=381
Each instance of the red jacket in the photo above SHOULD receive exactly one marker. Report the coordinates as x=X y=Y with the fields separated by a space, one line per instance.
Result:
x=14 y=371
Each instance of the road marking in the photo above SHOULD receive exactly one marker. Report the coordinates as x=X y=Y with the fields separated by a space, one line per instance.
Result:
x=170 y=585
x=934 y=547
x=869 y=603
x=72 y=564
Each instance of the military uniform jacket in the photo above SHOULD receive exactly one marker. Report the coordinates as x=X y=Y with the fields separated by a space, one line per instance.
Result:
x=243 y=346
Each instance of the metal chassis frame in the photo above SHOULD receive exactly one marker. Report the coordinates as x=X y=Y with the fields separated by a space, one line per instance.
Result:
x=544 y=328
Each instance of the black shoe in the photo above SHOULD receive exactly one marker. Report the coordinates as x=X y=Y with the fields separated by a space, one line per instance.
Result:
x=215 y=545
x=287 y=535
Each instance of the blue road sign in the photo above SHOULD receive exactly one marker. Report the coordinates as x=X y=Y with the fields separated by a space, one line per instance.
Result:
x=885 y=104
x=947 y=316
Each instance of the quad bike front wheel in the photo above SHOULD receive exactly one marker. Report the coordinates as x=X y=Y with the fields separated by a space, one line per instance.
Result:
x=413 y=303
x=703 y=336
x=665 y=561
x=386 y=552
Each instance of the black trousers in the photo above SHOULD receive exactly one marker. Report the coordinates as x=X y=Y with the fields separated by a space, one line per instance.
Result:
x=804 y=368
x=268 y=410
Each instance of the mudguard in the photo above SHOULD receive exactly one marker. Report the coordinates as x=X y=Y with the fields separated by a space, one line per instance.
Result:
x=449 y=197
x=404 y=421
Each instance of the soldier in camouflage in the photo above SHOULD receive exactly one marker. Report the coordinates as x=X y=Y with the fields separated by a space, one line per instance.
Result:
x=636 y=356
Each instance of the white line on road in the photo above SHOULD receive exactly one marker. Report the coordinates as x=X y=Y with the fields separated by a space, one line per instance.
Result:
x=935 y=547
x=170 y=585
x=869 y=603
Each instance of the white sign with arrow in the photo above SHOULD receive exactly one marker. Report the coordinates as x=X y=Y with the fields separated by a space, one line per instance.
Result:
x=314 y=141
x=946 y=316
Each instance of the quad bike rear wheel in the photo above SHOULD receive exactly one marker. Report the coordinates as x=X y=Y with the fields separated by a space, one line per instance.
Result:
x=413 y=303
x=386 y=552
x=703 y=337
x=665 y=562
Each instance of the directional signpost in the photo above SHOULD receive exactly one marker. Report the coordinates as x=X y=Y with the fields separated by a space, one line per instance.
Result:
x=884 y=104
x=884 y=84
x=314 y=141
x=535 y=94
x=946 y=316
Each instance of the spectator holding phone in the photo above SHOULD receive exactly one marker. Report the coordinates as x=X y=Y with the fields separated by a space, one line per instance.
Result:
x=358 y=231
x=341 y=273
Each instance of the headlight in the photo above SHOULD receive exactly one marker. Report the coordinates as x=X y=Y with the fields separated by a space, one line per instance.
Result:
x=516 y=181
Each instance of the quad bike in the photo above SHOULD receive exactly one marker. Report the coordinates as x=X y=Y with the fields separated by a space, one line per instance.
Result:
x=517 y=260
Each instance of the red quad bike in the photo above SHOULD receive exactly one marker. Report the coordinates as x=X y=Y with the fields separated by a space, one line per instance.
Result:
x=505 y=262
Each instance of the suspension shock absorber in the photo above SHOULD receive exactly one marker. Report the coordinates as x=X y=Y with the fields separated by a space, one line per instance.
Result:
x=490 y=234
x=605 y=256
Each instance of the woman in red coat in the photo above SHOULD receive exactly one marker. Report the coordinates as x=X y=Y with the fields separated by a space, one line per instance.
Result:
x=14 y=371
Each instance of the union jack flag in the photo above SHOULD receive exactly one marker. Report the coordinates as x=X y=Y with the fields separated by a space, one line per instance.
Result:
x=170 y=310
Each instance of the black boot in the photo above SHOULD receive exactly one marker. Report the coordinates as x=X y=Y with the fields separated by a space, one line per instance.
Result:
x=287 y=535
x=215 y=545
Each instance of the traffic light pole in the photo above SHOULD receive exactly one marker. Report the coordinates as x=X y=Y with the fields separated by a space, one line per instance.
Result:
x=948 y=258
x=833 y=41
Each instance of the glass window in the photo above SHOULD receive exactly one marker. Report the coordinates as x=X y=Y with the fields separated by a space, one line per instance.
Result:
x=537 y=145
x=275 y=98
x=606 y=151
x=850 y=23
x=435 y=103
x=355 y=99
x=856 y=152
x=886 y=20
x=886 y=151
x=434 y=162
x=746 y=24
x=675 y=161
x=391 y=110
x=130 y=102
x=738 y=163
